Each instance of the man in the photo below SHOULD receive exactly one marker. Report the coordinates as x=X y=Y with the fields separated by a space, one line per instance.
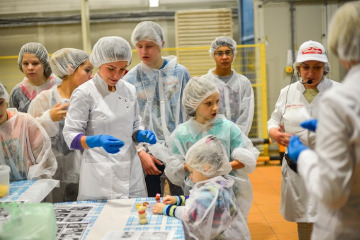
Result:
x=159 y=83
x=236 y=93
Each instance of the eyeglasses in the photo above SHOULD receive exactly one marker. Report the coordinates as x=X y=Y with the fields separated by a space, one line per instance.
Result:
x=227 y=53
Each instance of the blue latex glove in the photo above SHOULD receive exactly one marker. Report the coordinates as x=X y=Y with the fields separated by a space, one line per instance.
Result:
x=309 y=124
x=109 y=143
x=295 y=148
x=146 y=136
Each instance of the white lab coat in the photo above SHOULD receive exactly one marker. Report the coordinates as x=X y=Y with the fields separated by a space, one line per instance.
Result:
x=95 y=110
x=68 y=160
x=332 y=172
x=236 y=99
x=296 y=204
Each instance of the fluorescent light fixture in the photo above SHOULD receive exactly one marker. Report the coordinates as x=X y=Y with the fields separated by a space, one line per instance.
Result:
x=154 y=3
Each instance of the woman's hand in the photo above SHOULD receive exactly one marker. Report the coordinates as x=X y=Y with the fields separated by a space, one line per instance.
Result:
x=169 y=200
x=58 y=113
x=280 y=136
x=158 y=208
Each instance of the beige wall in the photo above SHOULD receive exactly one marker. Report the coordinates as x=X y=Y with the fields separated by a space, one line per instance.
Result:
x=55 y=37
x=273 y=24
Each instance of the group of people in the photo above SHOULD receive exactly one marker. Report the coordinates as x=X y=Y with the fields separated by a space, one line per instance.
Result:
x=119 y=134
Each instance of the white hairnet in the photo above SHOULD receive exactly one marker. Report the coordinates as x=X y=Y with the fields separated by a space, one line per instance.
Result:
x=311 y=51
x=3 y=93
x=148 y=31
x=40 y=52
x=344 y=32
x=65 y=61
x=208 y=157
x=110 y=49
x=195 y=92
x=222 y=41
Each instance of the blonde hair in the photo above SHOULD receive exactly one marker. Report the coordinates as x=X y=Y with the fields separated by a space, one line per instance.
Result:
x=344 y=33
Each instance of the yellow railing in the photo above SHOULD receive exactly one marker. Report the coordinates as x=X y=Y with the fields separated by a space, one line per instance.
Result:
x=250 y=61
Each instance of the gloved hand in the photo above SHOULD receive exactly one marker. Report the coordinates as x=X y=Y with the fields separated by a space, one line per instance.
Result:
x=146 y=136
x=295 y=148
x=109 y=143
x=309 y=124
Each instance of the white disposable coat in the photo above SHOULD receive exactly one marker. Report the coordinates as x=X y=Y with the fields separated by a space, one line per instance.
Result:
x=291 y=109
x=95 y=110
x=159 y=93
x=68 y=160
x=212 y=211
x=331 y=173
x=26 y=148
x=24 y=92
x=236 y=144
x=236 y=99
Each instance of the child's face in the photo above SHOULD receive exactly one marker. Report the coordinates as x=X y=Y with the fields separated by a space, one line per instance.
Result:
x=196 y=176
x=208 y=109
x=149 y=52
x=33 y=69
x=3 y=113
x=223 y=57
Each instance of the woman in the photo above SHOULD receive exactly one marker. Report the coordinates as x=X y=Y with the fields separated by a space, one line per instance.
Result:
x=49 y=108
x=331 y=173
x=298 y=102
x=26 y=148
x=103 y=117
x=34 y=63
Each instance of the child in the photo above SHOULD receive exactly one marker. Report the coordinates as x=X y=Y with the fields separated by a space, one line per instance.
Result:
x=201 y=102
x=211 y=211
x=26 y=148
x=236 y=93
x=159 y=82
x=34 y=63
x=50 y=108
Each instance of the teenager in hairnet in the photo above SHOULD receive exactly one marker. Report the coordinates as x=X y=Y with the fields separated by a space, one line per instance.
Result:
x=297 y=102
x=103 y=119
x=236 y=93
x=26 y=148
x=34 y=63
x=331 y=172
x=159 y=82
x=201 y=102
x=211 y=211
x=50 y=107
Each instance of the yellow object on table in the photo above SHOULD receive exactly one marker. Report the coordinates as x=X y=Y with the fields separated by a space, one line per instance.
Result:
x=4 y=189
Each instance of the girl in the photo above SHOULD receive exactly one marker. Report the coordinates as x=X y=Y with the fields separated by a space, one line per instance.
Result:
x=26 y=148
x=211 y=211
x=34 y=63
x=201 y=102
x=49 y=108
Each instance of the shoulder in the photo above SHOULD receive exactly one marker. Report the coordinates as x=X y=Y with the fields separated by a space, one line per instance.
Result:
x=131 y=75
x=15 y=89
